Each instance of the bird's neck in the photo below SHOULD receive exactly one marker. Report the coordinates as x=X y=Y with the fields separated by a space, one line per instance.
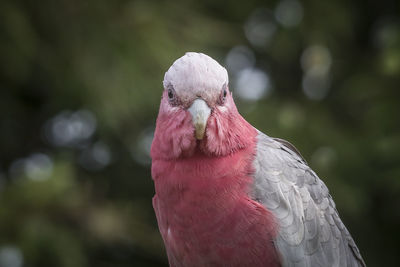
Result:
x=203 y=180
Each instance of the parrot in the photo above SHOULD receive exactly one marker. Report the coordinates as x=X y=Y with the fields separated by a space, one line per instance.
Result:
x=227 y=194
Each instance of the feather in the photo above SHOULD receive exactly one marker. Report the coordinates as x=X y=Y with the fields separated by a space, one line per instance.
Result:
x=310 y=230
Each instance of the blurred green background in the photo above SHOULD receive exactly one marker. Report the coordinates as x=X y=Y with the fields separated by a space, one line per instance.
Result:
x=80 y=85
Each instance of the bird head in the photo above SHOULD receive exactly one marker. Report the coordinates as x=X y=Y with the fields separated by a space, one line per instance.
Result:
x=197 y=112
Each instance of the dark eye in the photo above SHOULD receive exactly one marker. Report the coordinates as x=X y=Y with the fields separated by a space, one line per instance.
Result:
x=223 y=95
x=170 y=94
x=172 y=98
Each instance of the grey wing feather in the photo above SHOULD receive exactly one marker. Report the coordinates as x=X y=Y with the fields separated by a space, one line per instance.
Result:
x=310 y=231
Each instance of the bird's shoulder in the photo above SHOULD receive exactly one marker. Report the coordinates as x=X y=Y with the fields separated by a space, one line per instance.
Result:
x=311 y=232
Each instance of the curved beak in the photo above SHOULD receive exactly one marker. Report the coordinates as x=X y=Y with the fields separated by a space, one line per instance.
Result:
x=200 y=113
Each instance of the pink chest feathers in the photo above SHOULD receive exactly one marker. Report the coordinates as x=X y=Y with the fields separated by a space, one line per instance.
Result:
x=205 y=215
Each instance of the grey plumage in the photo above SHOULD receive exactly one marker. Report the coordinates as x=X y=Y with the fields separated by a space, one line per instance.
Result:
x=310 y=231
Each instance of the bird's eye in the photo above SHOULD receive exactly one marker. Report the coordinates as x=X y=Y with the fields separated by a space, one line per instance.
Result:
x=172 y=98
x=170 y=94
x=223 y=96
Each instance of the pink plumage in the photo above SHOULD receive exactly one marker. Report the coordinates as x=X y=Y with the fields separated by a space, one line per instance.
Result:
x=214 y=202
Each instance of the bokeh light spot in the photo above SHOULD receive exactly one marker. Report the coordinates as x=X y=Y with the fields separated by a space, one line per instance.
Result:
x=70 y=129
x=316 y=60
x=252 y=84
x=289 y=13
x=95 y=157
x=239 y=58
x=11 y=256
x=38 y=166
x=323 y=158
x=316 y=64
x=141 y=149
x=260 y=27
x=291 y=116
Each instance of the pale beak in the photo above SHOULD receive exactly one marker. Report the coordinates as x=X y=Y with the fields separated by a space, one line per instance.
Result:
x=200 y=113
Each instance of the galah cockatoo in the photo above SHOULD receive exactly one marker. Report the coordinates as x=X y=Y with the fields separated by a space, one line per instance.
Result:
x=229 y=195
